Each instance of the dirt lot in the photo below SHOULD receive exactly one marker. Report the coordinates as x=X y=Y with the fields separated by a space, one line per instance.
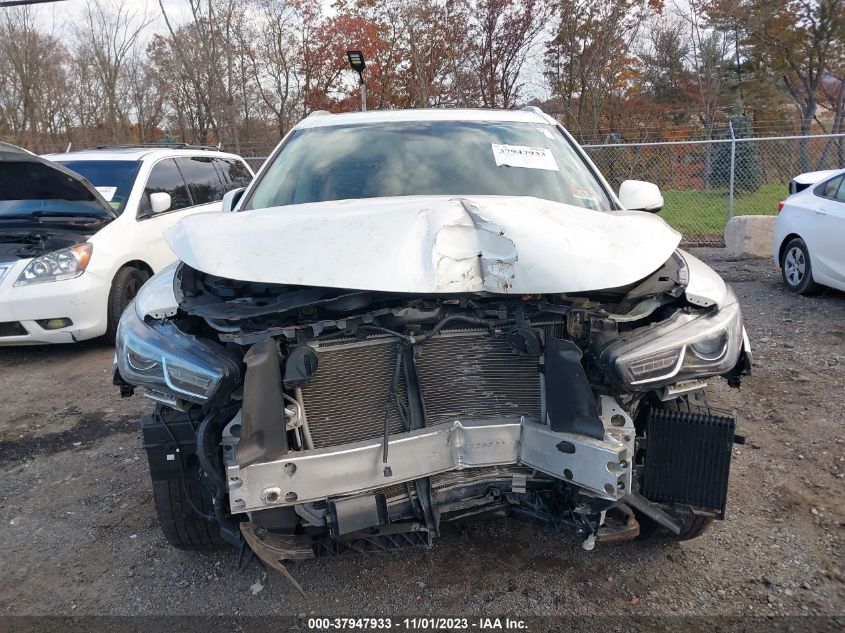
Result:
x=80 y=534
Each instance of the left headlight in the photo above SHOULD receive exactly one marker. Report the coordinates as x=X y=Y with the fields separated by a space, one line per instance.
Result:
x=58 y=265
x=688 y=345
x=173 y=366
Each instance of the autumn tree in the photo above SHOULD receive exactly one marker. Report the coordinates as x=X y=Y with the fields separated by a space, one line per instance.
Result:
x=589 y=59
x=796 y=41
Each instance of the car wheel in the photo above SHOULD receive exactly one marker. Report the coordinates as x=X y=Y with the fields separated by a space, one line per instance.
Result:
x=125 y=285
x=796 y=268
x=178 y=505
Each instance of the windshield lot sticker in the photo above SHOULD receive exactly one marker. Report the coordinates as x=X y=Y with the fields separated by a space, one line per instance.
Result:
x=107 y=192
x=524 y=156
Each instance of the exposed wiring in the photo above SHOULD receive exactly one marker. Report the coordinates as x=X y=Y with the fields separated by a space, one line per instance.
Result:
x=391 y=397
x=187 y=496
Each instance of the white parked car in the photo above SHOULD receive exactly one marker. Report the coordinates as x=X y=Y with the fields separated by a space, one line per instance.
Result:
x=74 y=251
x=810 y=234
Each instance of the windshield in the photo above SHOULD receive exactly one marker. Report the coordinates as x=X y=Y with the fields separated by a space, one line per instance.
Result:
x=30 y=188
x=112 y=178
x=429 y=158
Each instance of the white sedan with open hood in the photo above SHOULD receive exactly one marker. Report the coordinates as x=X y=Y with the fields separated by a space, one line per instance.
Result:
x=416 y=317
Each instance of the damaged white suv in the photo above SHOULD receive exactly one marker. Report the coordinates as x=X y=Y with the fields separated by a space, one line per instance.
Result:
x=417 y=317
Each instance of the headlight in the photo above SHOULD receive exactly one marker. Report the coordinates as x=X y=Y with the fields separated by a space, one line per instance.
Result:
x=172 y=365
x=64 y=264
x=688 y=345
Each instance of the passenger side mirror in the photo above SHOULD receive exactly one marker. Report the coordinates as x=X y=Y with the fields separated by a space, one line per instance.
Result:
x=636 y=195
x=231 y=199
x=160 y=202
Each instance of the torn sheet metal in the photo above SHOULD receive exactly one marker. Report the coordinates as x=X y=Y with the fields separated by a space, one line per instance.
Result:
x=429 y=244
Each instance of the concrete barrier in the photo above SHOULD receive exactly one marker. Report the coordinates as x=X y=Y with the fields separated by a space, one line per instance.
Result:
x=750 y=235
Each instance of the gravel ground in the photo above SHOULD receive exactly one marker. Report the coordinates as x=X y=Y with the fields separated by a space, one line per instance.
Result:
x=81 y=535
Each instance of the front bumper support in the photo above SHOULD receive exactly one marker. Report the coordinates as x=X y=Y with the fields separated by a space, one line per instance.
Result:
x=602 y=467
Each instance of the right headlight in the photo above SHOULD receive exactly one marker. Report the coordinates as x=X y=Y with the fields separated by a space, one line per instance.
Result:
x=687 y=345
x=171 y=365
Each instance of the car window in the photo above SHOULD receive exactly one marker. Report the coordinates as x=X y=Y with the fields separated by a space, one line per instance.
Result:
x=428 y=158
x=112 y=178
x=202 y=178
x=233 y=173
x=166 y=177
x=840 y=193
x=828 y=189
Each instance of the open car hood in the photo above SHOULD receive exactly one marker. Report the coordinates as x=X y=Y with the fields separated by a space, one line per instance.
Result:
x=25 y=176
x=440 y=244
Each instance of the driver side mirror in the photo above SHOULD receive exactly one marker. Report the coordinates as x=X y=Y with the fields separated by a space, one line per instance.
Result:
x=231 y=199
x=637 y=195
x=160 y=202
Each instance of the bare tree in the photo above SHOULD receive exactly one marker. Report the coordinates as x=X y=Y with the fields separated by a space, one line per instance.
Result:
x=144 y=95
x=109 y=35
x=33 y=68
x=503 y=34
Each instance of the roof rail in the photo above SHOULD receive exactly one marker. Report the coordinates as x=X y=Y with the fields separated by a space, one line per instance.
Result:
x=215 y=148
x=534 y=109
x=319 y=113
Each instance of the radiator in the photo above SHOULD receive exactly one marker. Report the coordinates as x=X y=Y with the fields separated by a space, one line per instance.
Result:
x=464 y=374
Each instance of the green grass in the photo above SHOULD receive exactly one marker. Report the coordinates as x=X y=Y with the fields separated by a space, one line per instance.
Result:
x=702 y=215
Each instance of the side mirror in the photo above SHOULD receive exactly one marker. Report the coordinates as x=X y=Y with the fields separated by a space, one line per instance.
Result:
x=160 y=202
x=231 y=199
x=636 y=195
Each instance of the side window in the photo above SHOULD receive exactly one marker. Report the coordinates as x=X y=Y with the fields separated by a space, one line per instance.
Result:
x=166 y=177
x=202 y=179
x=840 y=194
x=234 y=173
x=828 y=189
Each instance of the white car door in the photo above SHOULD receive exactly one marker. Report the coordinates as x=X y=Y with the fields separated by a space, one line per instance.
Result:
x=829 y=255
x=194 y=187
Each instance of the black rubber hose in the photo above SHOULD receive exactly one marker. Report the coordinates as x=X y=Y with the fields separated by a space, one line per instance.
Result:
x=208 y=446
x=437 y=327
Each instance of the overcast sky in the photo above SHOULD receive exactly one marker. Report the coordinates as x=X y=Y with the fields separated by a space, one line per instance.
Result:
x=60 y=17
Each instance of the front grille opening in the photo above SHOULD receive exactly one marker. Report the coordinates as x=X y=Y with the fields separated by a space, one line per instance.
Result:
x=12 y=328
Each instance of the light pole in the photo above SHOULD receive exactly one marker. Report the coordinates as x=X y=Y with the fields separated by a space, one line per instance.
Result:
x=356 y=60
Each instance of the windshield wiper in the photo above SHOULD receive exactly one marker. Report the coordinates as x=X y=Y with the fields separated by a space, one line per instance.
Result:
x=41 y=215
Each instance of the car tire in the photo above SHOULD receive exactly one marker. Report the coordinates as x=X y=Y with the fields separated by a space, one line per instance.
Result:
x=177 y=508
x=693 y=527
x=124 y=287
x=796 y=268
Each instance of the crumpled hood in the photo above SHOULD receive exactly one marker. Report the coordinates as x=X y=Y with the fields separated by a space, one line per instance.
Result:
x=425 y=244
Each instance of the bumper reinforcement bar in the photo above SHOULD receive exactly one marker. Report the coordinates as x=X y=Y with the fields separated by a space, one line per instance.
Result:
x=600 y=466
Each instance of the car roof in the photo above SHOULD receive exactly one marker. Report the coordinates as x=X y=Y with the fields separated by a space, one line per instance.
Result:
x=134 y=153
x=326 y=119
x=812 y=177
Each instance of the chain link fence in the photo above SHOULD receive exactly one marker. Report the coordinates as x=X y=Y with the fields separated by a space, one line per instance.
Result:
x=705 y=183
